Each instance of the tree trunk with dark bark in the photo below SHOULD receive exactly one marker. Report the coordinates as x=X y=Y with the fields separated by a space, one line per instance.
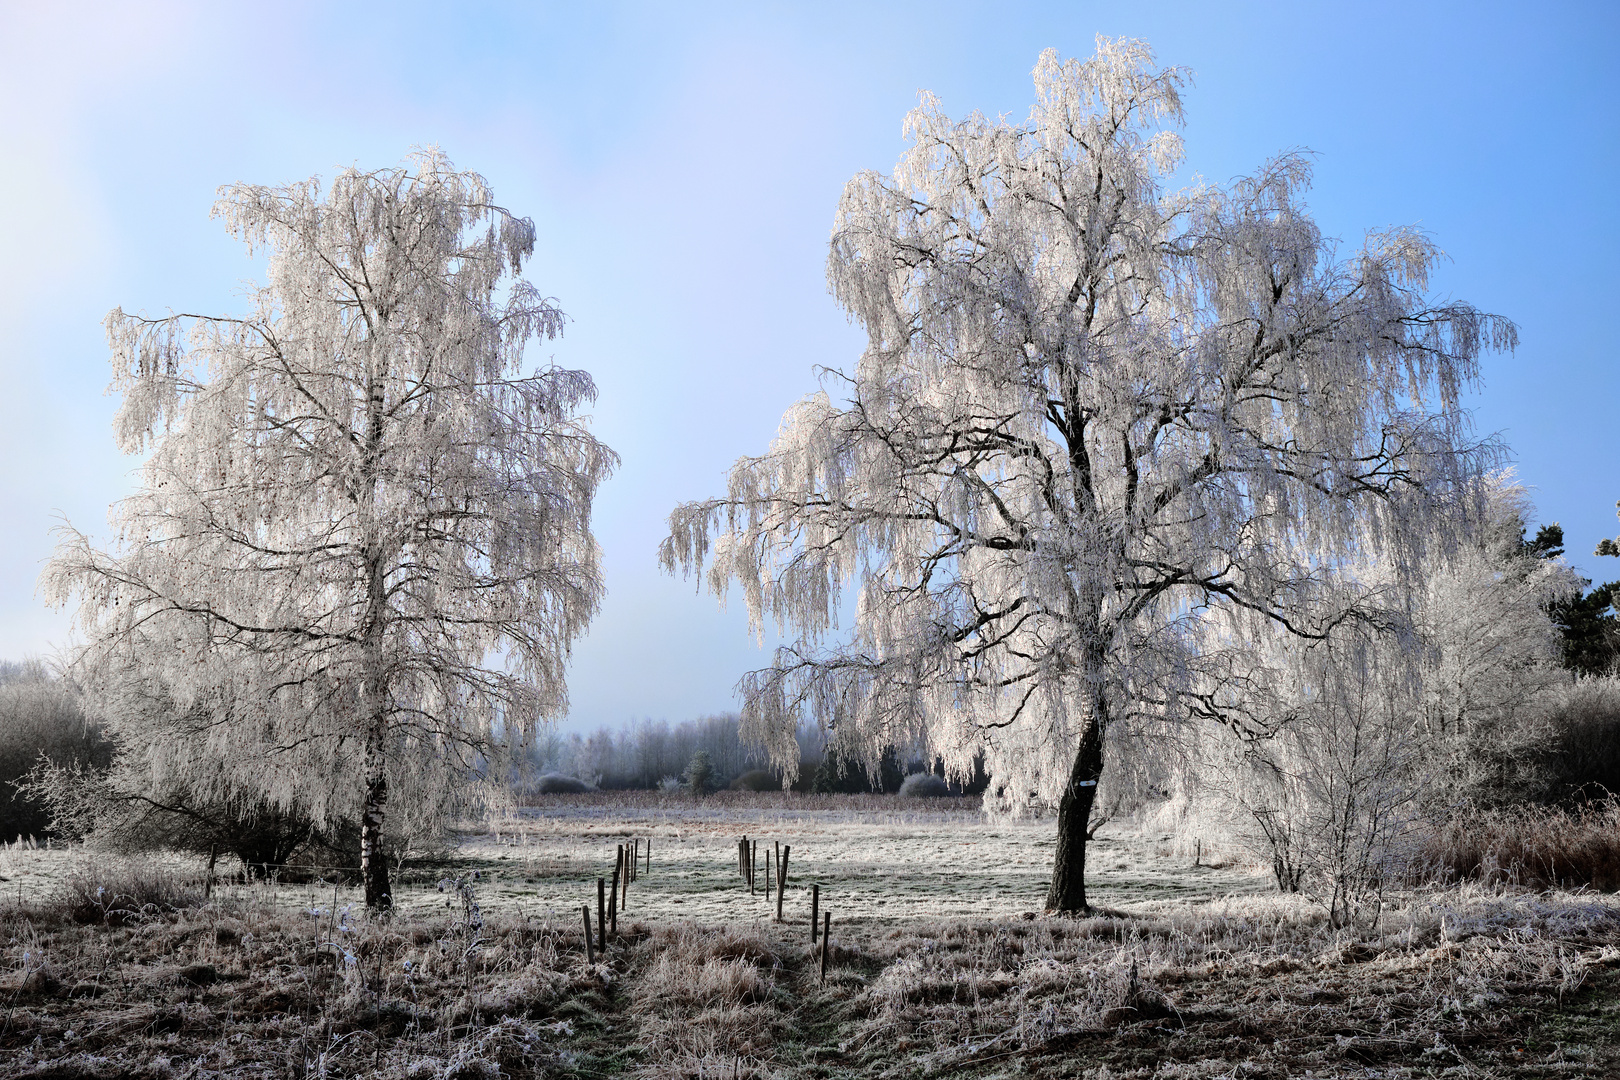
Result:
x=376 y=691
x=373 y=861
x=1067 y=893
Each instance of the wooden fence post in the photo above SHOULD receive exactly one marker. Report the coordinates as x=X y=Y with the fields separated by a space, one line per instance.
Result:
x=826 y=941
x=601 y=916
x=781 y=879
x=815 y=904
x=613 y=896
x=590 y=953
x=767 y=875
x=753 y=857
x=621 y=880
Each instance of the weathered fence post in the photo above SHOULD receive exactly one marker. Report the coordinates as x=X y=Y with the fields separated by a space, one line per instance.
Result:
x=781 y=879
x=767 y=875
x=624 y=885
x=613 y=897
x=590 y=953
x=815 y=904
x=601 y=915
x=826 y=943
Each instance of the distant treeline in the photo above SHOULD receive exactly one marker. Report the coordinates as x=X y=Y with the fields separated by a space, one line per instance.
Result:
x=646 y=753
x=653 y=753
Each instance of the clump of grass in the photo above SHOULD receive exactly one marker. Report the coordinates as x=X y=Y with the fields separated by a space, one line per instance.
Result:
x=707 y=1002
x=674 y=980
x=1541 y=847
x=689 y=943
x=115 y=892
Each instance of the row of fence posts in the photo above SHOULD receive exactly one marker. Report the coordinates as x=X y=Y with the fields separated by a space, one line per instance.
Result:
x=748 y=859
x=776 y=871
x=632 y=859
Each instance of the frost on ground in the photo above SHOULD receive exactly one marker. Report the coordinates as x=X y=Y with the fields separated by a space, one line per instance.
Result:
x=877 y=861
x=935 y=968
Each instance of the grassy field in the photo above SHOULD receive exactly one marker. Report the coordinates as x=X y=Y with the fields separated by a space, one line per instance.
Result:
x=940 y=965
x=878 y=862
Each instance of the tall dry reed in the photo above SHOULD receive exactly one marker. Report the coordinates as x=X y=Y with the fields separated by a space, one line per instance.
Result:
x=1540 y=847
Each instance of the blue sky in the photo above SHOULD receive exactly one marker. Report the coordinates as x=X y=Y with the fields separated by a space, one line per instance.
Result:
x=683 y=163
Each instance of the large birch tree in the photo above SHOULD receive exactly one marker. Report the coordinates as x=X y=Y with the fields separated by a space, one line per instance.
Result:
x=1099 y=433
x=361 y=544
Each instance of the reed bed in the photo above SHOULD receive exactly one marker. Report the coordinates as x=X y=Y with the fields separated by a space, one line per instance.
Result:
x=1541 y=847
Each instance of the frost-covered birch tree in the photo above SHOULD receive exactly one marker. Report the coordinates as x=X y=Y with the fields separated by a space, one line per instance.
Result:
x=1091 y=417
x=361 y=544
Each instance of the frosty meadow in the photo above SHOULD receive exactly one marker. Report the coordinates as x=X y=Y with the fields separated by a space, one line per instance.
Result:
x=1240 y=724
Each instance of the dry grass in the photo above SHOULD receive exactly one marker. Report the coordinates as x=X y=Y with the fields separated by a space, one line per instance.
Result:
x=1470 y=980
x=115 y=892
x=706 y=1001
x=250 y=990
x=1536 y=846
x=1464 y=982
x=1254 y=987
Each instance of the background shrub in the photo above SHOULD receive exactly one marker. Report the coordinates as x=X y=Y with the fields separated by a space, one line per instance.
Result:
x=924 y=786
x=557 y=784
x=39 y=715
x=1581 y=760
x=756 y=780
x=90 y=804
x=838 y=775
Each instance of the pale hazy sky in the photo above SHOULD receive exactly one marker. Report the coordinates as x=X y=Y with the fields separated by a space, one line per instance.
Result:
x=683 y=163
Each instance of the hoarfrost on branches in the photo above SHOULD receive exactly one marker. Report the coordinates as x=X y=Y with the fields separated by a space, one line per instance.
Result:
x=361 y=546
x=1100 y=434
x=1371 y=732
